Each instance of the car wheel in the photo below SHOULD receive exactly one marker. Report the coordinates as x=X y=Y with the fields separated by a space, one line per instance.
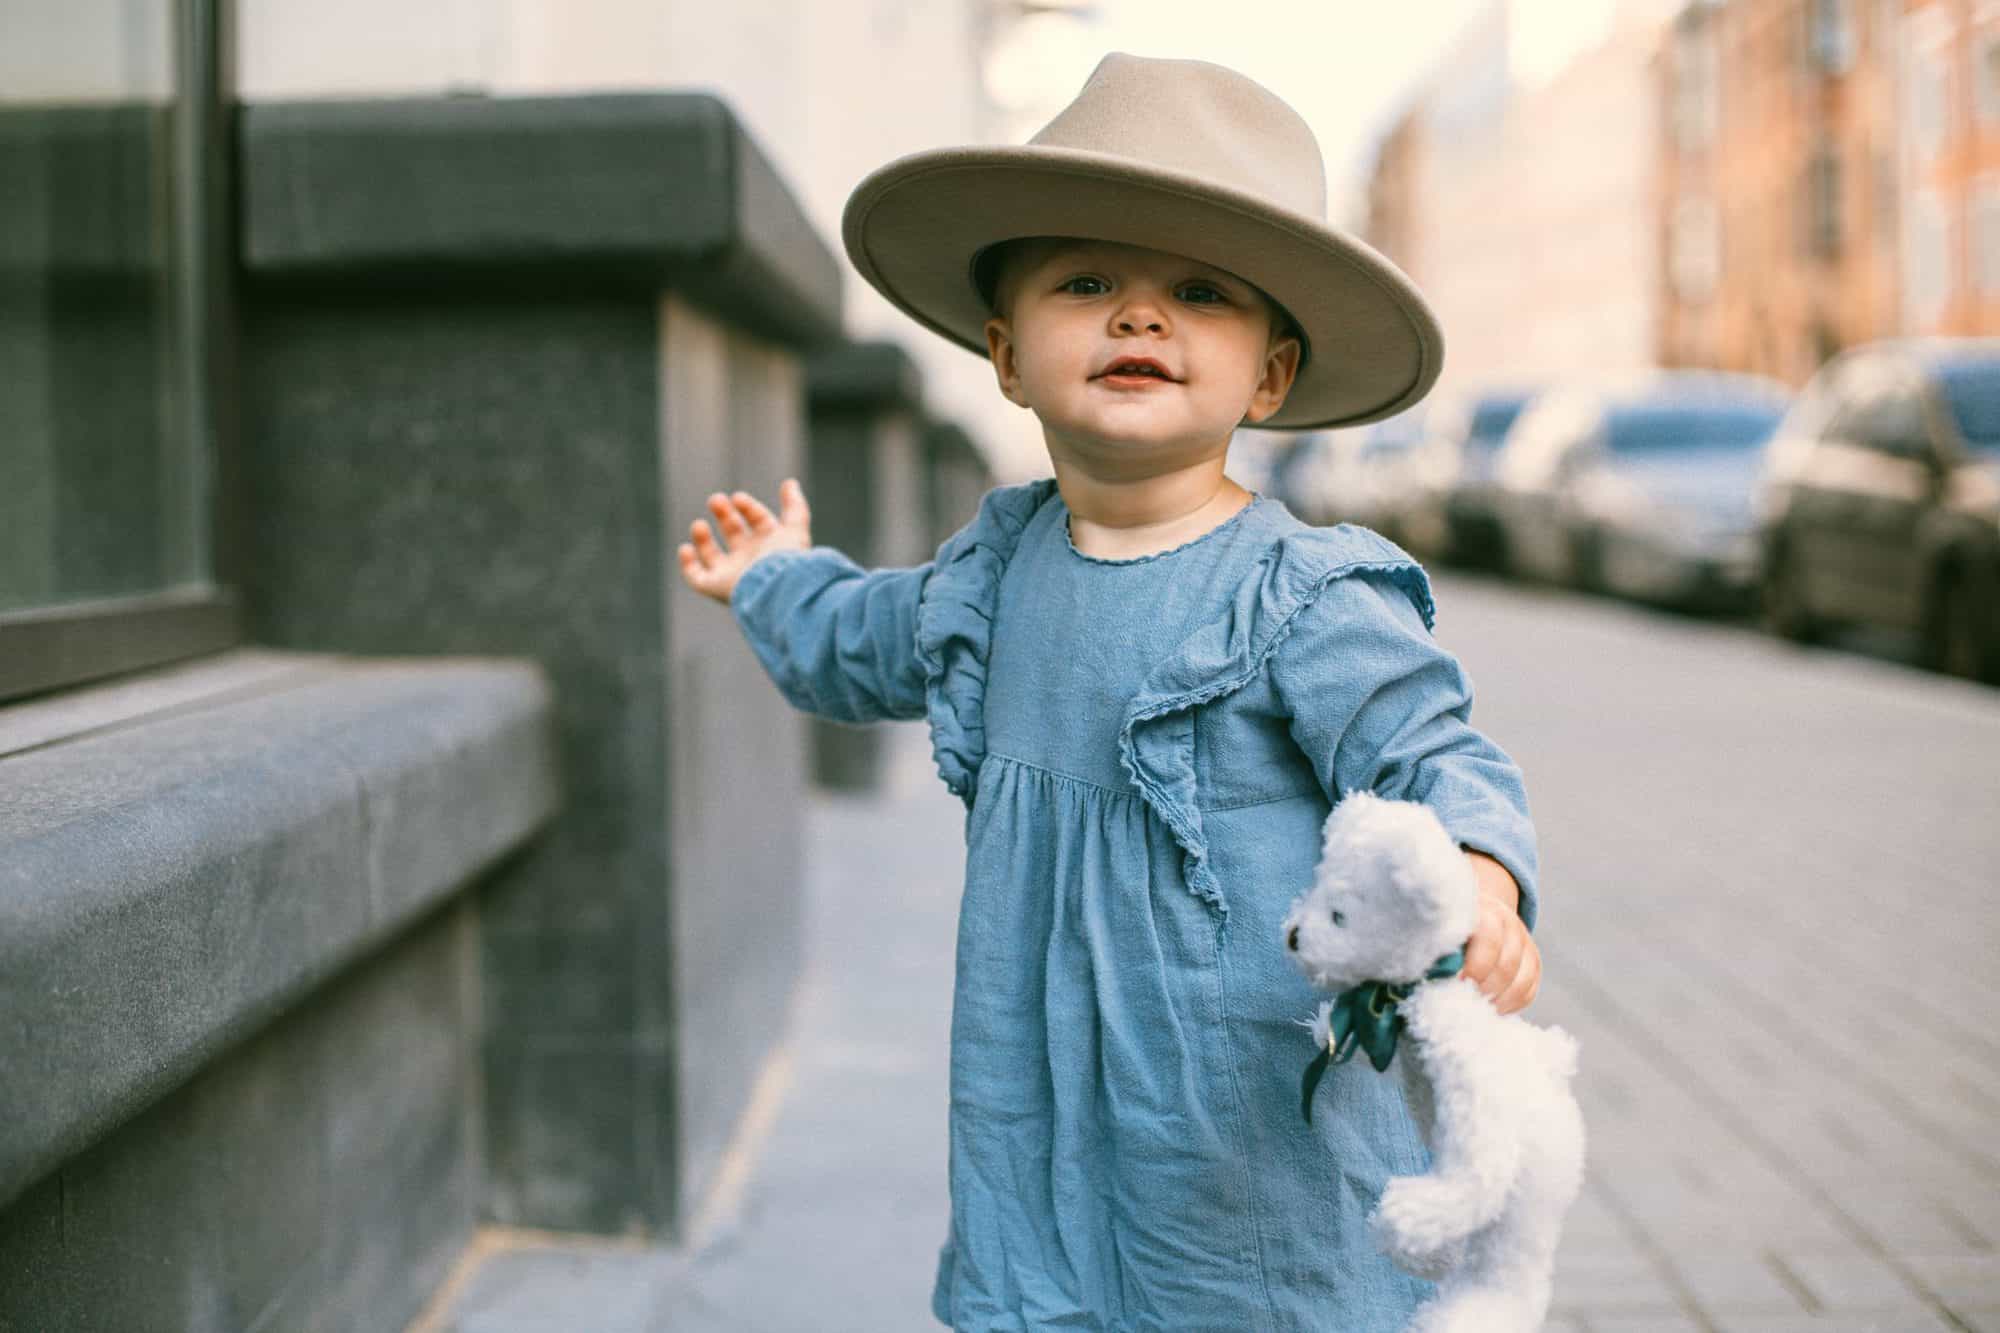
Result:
x=1586 y=556
x=1785 y=612
x=1958 y=637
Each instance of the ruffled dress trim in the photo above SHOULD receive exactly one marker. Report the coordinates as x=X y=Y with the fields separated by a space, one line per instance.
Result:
x=954 y=638
x=955 y=627
x=1156 y=742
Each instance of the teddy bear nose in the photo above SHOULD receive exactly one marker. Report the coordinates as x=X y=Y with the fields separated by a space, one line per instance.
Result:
x=1292 y=939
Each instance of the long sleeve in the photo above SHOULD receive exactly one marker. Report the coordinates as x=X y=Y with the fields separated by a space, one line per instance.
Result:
x=837 y=640
x=1376 y=704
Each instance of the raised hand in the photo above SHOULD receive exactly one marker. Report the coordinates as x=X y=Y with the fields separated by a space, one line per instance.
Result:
x=751 y=531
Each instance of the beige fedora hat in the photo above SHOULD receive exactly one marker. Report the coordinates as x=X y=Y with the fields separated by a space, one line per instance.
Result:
x=1177 y=155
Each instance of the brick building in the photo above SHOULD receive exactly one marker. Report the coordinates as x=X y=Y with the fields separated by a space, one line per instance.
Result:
x=1524 y=210
x=1950 y=160
x=1777 y=204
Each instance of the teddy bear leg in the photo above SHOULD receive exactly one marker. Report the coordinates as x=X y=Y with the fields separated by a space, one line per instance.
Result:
x=1422 y=1221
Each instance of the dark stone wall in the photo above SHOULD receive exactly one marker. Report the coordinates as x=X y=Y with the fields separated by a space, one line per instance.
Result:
x=324 y=1174
x=455 y=473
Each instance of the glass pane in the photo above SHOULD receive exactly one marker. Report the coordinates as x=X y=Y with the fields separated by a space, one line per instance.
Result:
x=1662 y=427
x=1972 y=392
x=102 y=481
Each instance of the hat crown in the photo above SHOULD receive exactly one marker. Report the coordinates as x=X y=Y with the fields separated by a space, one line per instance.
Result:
x=1197 y=118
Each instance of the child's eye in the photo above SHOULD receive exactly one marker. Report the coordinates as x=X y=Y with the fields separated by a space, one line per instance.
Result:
x=1194 y=291
x=1070 y=285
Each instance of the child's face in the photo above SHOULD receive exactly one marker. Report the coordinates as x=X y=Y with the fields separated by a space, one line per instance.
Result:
x=1080 y=308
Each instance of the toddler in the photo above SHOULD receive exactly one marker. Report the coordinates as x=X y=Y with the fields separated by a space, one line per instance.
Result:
x=1149 y=685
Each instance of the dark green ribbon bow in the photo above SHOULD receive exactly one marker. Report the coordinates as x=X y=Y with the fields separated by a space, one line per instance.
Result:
x=1365 y=1018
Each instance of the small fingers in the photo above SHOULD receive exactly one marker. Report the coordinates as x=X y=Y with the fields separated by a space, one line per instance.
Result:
x=1527 y=984
x=1507 y=967
x=761 y=519
x=792 y=507
x=705 y=548
x=727 y=518
x=1482 y=951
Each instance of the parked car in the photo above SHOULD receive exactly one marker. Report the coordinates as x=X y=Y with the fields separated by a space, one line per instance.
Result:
x=1257 y=459
x=1319 y=478
x=1641 y=486
x=1379 y=487
x=1880 y=502
x=1449 y=511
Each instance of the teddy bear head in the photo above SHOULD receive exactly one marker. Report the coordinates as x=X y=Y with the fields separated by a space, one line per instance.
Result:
x=1392 y=894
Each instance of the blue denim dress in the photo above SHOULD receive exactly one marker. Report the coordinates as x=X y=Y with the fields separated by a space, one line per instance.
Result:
x=1147 y=749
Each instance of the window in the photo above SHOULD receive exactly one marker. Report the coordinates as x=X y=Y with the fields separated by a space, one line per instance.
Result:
x=1926 y=75
x=1694 y=250
x=1886 y=415
x=1822 y=209
x=1986 y=235
x=1661 y=427
x=1927 y=261
x=109 y=261
x=1696 y=111
x=1972 y=396
x=1829 y=35
x=1985 y=53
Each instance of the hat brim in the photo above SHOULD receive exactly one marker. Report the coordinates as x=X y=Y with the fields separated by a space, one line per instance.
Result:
x=913 y=227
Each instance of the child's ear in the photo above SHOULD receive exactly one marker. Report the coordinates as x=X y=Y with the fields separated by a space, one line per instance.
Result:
x=1000 y=350
x=1281 y=367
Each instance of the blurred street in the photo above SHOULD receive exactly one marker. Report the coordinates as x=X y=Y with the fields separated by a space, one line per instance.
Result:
x=1768 y=878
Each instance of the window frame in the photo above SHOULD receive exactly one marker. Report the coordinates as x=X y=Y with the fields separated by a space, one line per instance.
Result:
x=69 y=643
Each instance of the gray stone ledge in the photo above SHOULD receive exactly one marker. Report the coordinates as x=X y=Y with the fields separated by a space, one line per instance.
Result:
x=652 y=188
x=875 y=376
x=948 y=440
x=170 y=883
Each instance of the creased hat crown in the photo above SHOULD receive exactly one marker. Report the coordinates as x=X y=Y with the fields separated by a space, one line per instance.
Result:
x=1199 y=118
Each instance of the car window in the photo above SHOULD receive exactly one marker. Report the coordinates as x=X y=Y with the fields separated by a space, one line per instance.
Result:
x=1659 y=427
x=1888 y=418
x=1972 y=396
x=1492 y=418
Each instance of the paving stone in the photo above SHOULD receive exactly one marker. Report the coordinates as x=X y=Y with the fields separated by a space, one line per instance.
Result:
x=1960 y=1279
x=1613 y=1321
x=1849 y=1280
x=1739 y=1283
x=1610 y=1282
x=1902 y=1321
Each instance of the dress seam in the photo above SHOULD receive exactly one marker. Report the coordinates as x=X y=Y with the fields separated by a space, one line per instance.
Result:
x=1261 y=800
x=1255 y=1210
x=1058 y=773
x=1135 y=796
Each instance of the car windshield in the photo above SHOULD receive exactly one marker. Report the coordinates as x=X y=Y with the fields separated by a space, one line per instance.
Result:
x=1493 y=416
x=1659 y=427
x=1972 y=391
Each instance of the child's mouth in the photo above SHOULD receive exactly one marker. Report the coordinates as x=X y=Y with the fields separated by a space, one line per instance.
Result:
x=1136 y=373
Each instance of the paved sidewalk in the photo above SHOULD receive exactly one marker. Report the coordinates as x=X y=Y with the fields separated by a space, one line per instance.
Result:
x=1769 y=883
x=834 y=1222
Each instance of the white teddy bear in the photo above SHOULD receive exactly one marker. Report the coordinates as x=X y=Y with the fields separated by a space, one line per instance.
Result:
x=1394 y=898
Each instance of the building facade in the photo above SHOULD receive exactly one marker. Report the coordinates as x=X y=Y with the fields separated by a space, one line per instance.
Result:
x=1524 y=212
x=1777 y=208
x=1950 y=159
